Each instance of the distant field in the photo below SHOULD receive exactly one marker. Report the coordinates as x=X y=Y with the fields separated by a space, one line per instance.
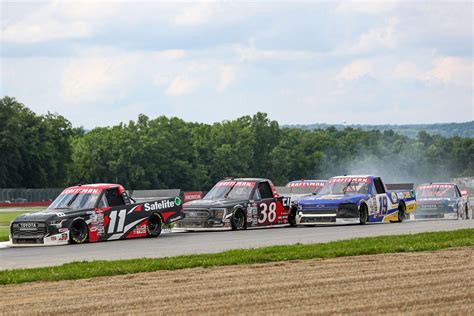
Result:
x=8 y=214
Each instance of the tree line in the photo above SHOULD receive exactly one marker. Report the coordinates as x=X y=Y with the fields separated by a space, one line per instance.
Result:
x=41 y=151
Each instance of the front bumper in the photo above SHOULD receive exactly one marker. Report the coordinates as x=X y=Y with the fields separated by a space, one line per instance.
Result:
x=53 y=240
x=433 y=215
x=344 y=213
x=37 y=234
x=204 y=219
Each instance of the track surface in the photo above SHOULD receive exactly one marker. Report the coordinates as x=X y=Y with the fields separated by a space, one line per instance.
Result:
x=173 y=244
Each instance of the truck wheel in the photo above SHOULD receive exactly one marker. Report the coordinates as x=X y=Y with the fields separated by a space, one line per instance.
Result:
x=237 y=221
x=292 y=217
x=78 y=232
x=363 y=214
x=153 y=227
x=467 y=212
x=401 y=213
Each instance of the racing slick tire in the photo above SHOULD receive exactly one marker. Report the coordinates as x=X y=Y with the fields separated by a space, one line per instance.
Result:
x=78 y=232
x=237 y=221
x=401 y=213
x=363 y=214
x=153 y=227
x=292 y=217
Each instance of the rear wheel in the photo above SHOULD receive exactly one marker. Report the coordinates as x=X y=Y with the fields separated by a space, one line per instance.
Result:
x=401 y=213
x=363 y=214
x=78 y=232
x=237 y=221
x=153 y=227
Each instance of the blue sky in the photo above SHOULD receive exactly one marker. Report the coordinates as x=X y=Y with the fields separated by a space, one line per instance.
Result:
x=100 y=63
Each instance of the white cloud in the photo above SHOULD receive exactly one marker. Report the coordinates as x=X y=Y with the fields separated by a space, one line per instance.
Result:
x=387 y=36
x=228 y=75
x=355 y=70
x=181 y=86
x=368 y=7
x=449 y=70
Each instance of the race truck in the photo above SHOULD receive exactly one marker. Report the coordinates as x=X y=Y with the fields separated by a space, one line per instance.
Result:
x=237 y=204
x=440 y=200
x=355 y=200
x=298 y=190
x=94 y=212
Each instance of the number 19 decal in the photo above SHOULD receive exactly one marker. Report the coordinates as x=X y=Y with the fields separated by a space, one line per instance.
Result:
x=268 y=212
x=383 y=205
x=113 y=219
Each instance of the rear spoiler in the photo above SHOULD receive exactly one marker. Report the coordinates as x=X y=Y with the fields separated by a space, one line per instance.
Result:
x=400 y=186
x=287 y=191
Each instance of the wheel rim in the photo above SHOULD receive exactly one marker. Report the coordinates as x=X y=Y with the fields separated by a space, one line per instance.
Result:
x=362 y=215
x=240 y=220
x=78 y=232
x=401 y=214
x=153 y=224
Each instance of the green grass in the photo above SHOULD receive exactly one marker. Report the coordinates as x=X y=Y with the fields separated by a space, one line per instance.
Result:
x=7 y=216
x=353 y=247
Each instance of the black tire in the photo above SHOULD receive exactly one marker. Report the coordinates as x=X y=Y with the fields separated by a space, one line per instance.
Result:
x=237 y=221
x=292 y=217
x=154 y=225
x=467 y=212
x=401 y=213
x=78 y=232
x=363 y=214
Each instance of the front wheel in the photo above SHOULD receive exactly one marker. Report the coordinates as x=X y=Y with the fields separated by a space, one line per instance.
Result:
x=237 y=221
x=292 y=217
x=78 y=232
x=363 y=215
x=153 y=227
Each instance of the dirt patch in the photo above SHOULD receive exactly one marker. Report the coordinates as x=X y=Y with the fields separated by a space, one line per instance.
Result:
x=426 y=282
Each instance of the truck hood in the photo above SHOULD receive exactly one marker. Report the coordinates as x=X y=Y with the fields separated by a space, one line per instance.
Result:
x=213 y=203
x=332 y=199
x=422 y=201
x=49 y=215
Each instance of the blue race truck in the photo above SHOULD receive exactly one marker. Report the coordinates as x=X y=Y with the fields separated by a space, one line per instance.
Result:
x=356 y=200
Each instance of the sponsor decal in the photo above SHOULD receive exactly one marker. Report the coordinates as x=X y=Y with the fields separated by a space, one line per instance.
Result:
x=81 y=191
x=349 y=179
x=160 y=205
x=63 y=230
x=435 y=186
x=177 y=201
x=304 y=184
x=250 y=184
x=28 y=225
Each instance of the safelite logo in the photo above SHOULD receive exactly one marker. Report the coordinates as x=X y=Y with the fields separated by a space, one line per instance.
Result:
x=177 y=201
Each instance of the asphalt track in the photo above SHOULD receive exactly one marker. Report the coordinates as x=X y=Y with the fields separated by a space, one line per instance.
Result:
x=181 y=243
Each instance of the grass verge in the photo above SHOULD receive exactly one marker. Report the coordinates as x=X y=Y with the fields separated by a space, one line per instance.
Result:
x=353 y=247
x=5 y=219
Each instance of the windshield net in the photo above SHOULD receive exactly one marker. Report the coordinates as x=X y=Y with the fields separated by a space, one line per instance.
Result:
x=76 y=199
x=231 y=190
x=346 y=186
x=436 y=191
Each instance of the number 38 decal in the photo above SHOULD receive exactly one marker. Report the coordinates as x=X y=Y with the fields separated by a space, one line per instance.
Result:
x=267 y=212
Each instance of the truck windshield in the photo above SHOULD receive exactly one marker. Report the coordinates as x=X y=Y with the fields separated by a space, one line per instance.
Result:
x=231 y=190
x=74 y=201
x=346 y=186
x=436 y=191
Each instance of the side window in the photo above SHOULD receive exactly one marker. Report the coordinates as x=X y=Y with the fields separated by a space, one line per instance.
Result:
x=458 y=193
x=378 y=186
x=113 y=197
x=256 y=195
x=265 y=190
x=103 y=202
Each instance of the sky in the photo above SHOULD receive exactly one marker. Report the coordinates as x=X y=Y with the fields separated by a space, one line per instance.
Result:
x=99 y=63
